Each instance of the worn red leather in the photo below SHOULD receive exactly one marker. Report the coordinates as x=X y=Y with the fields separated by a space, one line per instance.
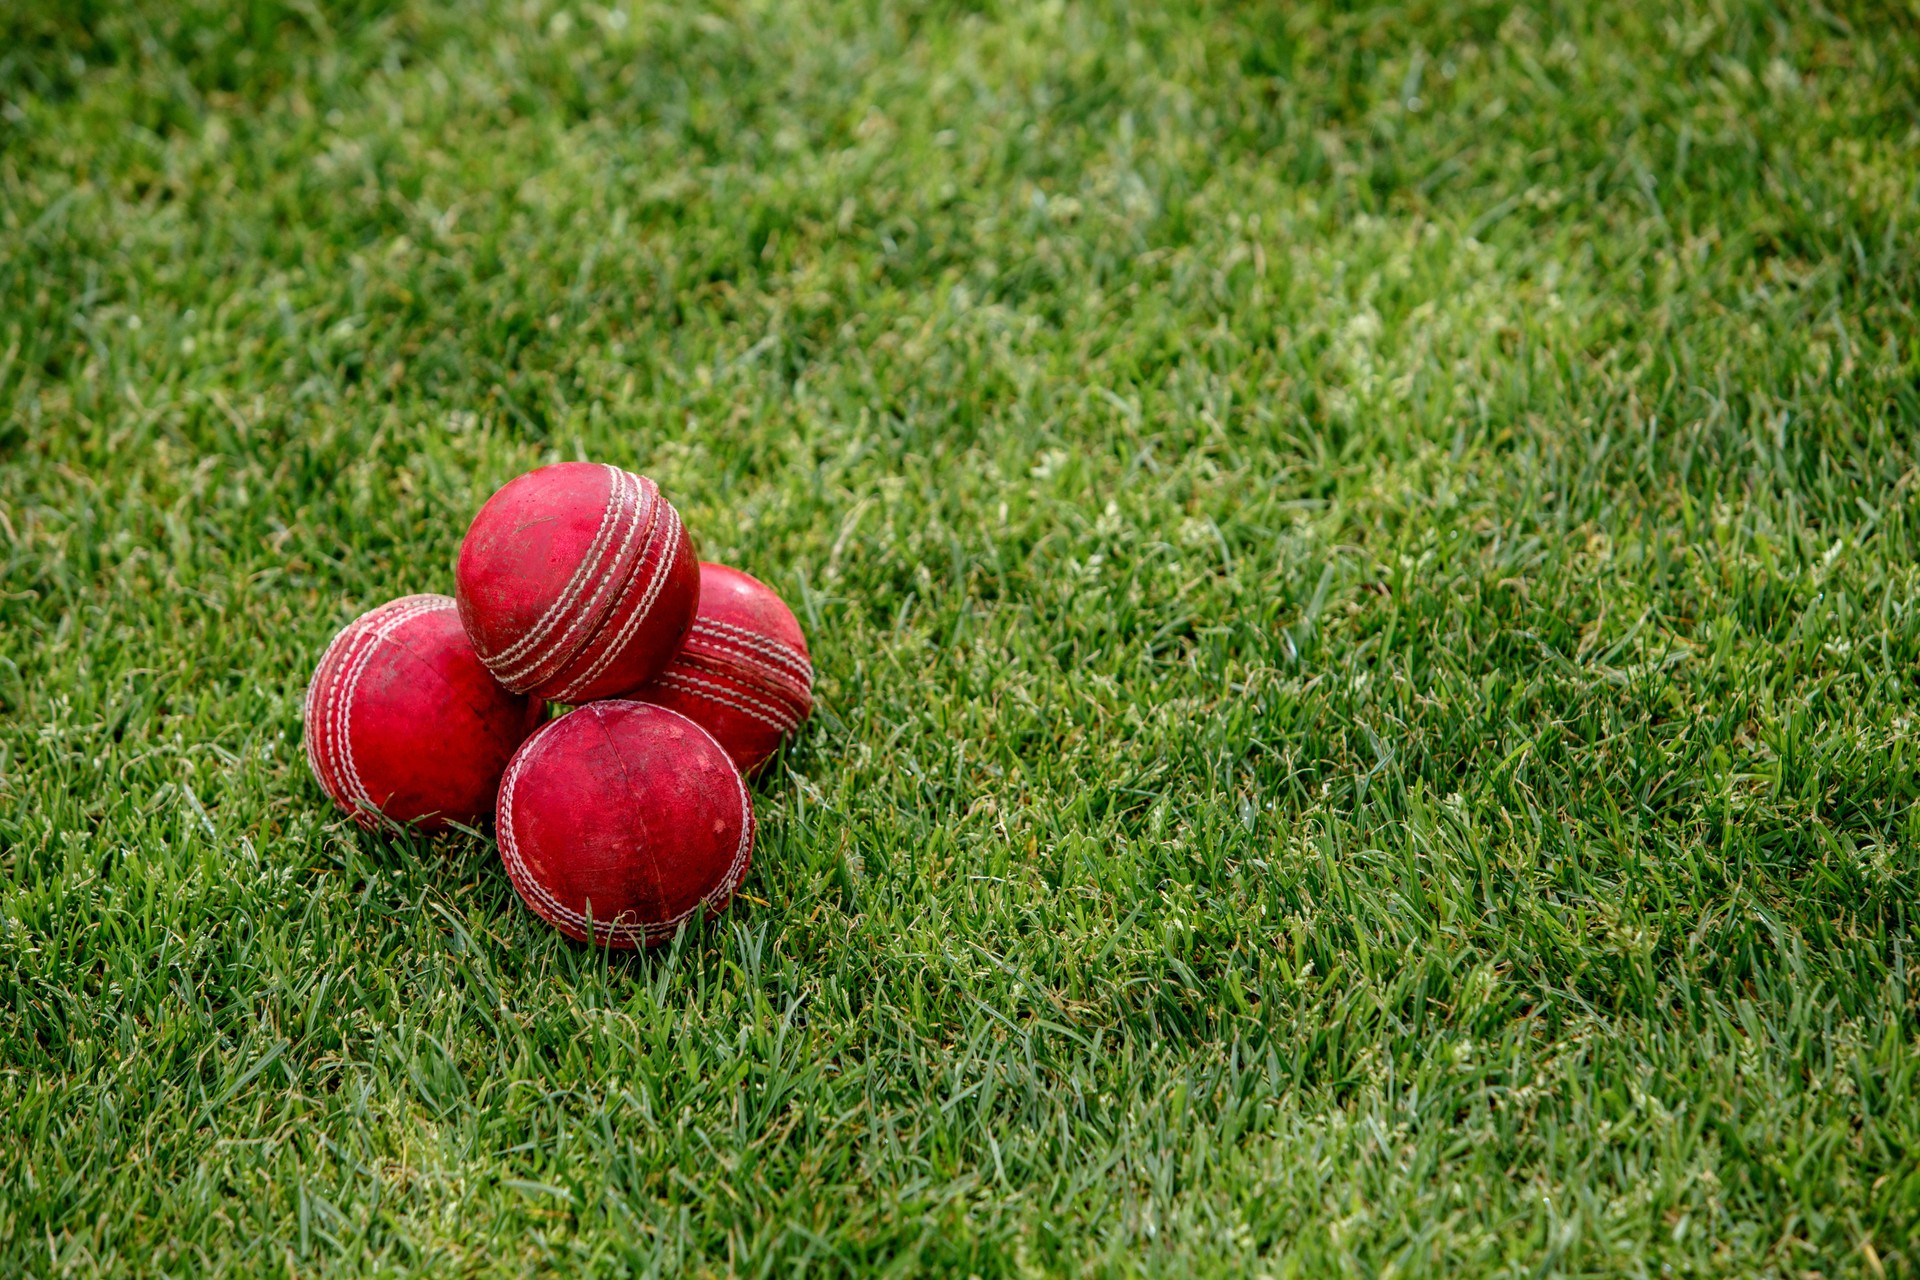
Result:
x=403 y=721
x=744 y=674
x=626 y=814
x=577 y=581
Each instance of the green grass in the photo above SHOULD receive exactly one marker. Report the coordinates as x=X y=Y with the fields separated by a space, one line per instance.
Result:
x=1361 y=560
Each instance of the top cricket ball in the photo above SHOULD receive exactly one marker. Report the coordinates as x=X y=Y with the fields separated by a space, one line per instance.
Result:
x=577 y=582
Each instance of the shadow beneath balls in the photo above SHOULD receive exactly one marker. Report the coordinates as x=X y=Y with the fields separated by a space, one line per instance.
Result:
x=459 y=859
x=797 y=751
x=395 y=849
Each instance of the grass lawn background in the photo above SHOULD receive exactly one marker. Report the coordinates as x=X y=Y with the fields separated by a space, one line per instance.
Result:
x=1361 y=562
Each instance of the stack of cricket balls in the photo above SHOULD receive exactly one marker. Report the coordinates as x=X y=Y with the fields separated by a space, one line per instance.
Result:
x=576 y=584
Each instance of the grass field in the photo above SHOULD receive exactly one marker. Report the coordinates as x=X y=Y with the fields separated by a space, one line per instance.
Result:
x=1361 y=560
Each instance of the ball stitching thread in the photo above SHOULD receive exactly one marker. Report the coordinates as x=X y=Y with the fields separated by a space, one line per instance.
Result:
x=536 y=668
x=364 y=635
x=662 y=569
x=378 y=631
x=551 y=618
x=764 y=646
x=721 y=659
x=738 y=700
x=611 y=649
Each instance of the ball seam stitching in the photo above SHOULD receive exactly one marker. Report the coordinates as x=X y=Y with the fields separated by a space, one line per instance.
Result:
x=720 y=659
x=372 y=630
x=537 y=895
x=766 y=647
x=536 y=634
x=662 y=569
x=735 y=698
x=404 y=611
x=551 y=659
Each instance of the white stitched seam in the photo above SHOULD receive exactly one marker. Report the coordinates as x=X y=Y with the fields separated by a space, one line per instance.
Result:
x=555 y=611
x=338 y=720
x=375 y=633
x=404 y=611
x=536 y=668
x=590 y=616
x=719 y=656
x=737 y=699
x=609 y=618
x=339 y=706
x=768 y=647
x=536 y=894
x=661 y=570
x=314 y=711
x=332 y=717
x=765 y=646
x=722 y=892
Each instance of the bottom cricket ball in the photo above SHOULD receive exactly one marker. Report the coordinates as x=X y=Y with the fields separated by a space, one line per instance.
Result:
x=620 y=820
x=404 y=722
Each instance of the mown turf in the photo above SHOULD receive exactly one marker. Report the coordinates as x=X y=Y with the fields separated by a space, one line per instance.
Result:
x=1361 y=562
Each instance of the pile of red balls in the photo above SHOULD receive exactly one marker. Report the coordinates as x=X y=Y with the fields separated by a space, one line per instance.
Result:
x=576 y=584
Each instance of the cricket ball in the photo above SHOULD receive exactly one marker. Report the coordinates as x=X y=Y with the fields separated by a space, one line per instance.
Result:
x=576 y=582
x=743 y=674
x=404 y=721
x=620 y=820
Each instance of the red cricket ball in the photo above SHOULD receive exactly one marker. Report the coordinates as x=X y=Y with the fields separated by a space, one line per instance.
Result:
x=577 y=581
x=628 y=814
x=743 y=674
x=403 y=719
